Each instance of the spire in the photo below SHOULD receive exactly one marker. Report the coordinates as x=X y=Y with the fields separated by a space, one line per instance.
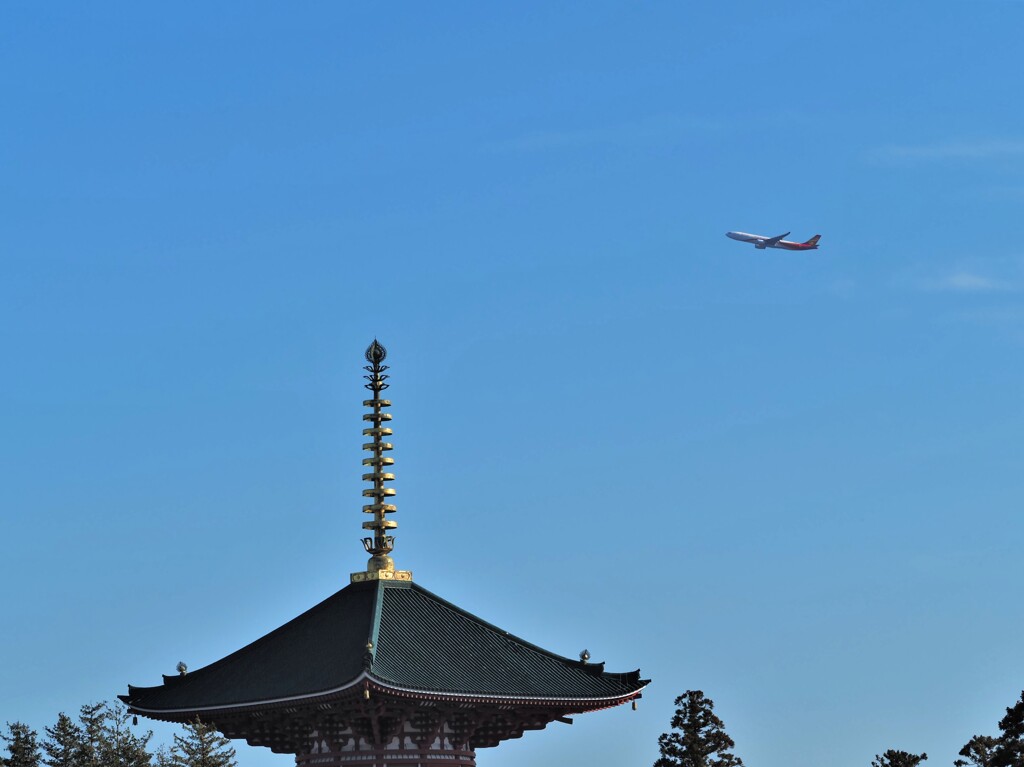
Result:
x=380 y=566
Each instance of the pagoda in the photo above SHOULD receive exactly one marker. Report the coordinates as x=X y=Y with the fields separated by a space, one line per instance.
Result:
x=384 y=673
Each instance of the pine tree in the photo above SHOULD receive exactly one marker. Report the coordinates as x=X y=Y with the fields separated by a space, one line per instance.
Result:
x=201 y=746
x=118 y=745
x=90 y=722
x=162 y=756
x=893 y=758
x=1009 y=749
x=22 y=746
x=978 y=751
x=701 y=740
x=65 y=744
x=1005 y=750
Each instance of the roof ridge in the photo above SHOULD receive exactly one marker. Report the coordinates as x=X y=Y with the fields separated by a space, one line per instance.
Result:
x=373 y=638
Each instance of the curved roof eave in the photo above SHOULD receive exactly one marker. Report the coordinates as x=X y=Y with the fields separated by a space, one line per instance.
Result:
x=384 y=685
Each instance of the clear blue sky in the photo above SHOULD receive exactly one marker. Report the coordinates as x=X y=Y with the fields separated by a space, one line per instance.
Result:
x=791 y=480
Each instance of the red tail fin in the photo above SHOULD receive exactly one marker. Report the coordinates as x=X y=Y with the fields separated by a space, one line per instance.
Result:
x=813 y=240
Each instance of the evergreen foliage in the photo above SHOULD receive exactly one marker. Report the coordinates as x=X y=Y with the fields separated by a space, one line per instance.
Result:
x=1008 y=750
x=101 y=738
x=978 y=751
x=201 y=746
x=1005 y=750
x=22 y=746
x=162 y=756
x=700 y=740
x=90 y=719
x=117 y=745
x=893 y=758
x=64 y=744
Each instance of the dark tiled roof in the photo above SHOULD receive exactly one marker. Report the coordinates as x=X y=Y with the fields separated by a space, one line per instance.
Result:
x=321 y=649
x=426 y=643
x=421 y=642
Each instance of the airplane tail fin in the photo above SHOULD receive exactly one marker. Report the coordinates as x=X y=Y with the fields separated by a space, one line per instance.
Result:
x=813 y=241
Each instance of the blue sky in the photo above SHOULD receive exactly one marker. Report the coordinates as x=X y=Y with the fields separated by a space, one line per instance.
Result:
x=790 y=480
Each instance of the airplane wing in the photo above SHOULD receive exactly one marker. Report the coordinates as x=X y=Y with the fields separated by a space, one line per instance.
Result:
x=771 y=242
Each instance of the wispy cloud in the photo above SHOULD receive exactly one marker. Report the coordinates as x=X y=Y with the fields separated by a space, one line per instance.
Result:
x=1006 y=320
x=982 y=149
x=990 y=273
x=966 y=282
x=540 y=141
x=979 y=291
x=993 y=315
x=653 y=129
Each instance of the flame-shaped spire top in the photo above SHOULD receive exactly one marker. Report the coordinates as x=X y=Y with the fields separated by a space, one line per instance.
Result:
x=379 y=547
x=375 y=354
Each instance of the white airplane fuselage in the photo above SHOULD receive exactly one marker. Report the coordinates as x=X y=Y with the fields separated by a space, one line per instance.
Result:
x=761 y=242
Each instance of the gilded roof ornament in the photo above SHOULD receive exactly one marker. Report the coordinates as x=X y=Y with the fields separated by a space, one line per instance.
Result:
x=381 y=566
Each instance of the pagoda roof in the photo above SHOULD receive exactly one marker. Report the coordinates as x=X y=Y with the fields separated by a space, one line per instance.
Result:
x=396 y=635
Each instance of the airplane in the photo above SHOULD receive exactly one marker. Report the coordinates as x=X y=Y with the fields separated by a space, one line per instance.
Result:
x=761 y=242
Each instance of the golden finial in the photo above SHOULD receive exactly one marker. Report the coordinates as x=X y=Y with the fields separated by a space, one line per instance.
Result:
x=379 y=547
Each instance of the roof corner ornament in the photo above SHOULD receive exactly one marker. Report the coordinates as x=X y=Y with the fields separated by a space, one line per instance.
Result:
x=381 y=566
